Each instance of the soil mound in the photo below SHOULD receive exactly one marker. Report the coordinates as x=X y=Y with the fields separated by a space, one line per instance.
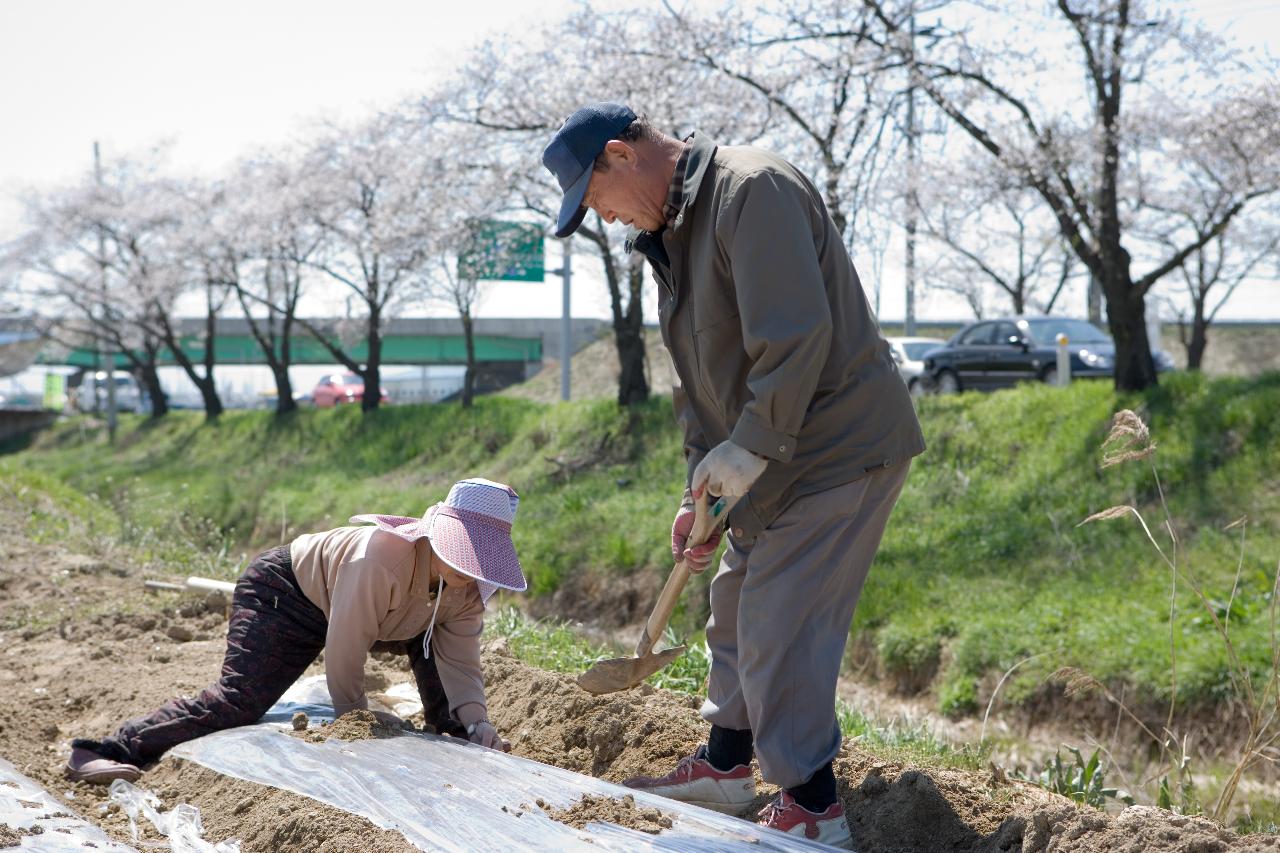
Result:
x=1138 y=829
x=594 y=369
x=548 y=718
x=353 y=725
x=268 y=819
x=623 y=812
x=11 y=836
x=892 y=808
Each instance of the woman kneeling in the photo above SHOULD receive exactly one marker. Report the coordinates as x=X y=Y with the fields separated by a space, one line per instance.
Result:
x=423 y=582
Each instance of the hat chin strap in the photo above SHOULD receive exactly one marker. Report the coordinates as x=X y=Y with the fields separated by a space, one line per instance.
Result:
x=426 y=638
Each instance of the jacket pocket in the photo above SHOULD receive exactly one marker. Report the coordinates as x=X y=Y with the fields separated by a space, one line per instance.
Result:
x=717 y=348
x=665 y=305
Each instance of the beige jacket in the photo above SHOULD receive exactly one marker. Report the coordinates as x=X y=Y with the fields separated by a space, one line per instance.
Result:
x=375 y=586
x=771 y=333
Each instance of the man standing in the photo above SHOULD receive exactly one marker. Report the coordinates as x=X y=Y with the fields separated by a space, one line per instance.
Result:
x=790 y=398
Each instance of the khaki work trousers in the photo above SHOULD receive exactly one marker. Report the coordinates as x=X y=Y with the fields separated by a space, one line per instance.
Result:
x=781 y=607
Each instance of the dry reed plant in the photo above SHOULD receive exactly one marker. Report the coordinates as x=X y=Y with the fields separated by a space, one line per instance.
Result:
x=1129 y=440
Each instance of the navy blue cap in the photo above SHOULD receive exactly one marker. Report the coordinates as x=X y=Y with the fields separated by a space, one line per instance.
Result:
x=573 y=151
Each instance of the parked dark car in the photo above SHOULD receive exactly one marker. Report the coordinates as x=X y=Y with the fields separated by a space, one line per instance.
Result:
x=1001 y=353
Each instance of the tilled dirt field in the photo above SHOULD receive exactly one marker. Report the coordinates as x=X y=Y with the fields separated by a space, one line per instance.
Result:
x=84 y=648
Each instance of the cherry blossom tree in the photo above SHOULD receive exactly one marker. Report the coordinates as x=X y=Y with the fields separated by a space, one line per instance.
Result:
x=991 y=235
x=828 y=102
x=68 y=268
x=1154 y=107
x=367 y=189
x=264 y=242
x=164 y=247
x=1210 y=276
x=521 y=90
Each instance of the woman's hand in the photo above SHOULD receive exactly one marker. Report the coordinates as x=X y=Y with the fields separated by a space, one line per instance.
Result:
x=388 y=719
x=486 y=735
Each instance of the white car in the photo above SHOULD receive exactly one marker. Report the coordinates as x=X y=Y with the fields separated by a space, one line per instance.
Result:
x=128 y=394
x=908 y=353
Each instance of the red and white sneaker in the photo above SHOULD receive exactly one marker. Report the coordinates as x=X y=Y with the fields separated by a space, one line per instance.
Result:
x=695 y=781
x=786 y=815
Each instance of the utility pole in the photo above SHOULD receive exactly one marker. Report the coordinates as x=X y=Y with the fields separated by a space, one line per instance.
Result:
x=566 y=318
x=109 y=352
x=912 y=200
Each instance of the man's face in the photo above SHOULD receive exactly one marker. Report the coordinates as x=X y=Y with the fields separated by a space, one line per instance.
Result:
x=626 y=192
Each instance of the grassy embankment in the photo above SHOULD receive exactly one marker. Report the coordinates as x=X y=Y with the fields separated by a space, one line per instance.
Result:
x=982 y=567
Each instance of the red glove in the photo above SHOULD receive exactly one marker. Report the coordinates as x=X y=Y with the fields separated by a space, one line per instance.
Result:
x=697 y=558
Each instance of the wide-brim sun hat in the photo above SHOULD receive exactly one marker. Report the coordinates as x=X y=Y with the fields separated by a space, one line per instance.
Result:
x=470 y=530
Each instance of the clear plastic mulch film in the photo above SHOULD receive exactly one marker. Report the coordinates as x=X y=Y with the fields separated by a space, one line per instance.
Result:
x=43 y=822
x=444 y=794
x=181 y=826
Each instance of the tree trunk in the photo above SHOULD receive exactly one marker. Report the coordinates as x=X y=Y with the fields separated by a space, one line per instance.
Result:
x=212 y=403
x=279 y=363
x=1199 y=337
x=628 y=334
x=209 y=393
x=1095 y=301
x=373 y=367
x=151 y=380
x=159 y=402
x=628 y=321
x=1127 y=318
x=205 y=384
x=284 y=386
x=469 y=379
x=284 y=390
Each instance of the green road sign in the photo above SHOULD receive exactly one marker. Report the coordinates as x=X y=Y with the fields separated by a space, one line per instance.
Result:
x=55 y=391
x=507 y=251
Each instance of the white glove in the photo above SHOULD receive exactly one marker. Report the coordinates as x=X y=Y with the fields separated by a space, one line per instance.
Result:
x=728 y=470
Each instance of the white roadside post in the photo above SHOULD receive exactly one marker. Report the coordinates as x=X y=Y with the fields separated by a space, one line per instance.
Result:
x=110 y=351
x=566 y=320
x=1064 y=362
x=566 y=316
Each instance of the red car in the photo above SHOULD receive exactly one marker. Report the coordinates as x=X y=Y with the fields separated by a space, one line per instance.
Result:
x=341 y=388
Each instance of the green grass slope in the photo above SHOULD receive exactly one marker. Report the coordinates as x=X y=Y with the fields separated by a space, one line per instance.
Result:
x=983 y=565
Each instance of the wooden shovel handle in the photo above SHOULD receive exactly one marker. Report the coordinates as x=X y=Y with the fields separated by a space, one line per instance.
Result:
x=705 y=520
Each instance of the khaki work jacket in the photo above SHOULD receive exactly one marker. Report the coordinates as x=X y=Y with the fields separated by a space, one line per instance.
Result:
x=374 y=586
x=771 y=334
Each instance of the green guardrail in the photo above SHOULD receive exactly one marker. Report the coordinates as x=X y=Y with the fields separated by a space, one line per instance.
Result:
x=304 y=349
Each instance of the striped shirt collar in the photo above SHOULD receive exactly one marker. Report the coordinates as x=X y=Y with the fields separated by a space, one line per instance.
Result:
x=675 y=195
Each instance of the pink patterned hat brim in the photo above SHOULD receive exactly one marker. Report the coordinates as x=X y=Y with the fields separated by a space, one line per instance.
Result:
x=474 y=544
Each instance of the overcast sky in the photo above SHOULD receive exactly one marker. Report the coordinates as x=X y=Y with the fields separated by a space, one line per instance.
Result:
x=218 y=81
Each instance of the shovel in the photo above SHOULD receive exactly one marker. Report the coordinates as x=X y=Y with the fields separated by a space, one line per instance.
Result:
x=610 y=676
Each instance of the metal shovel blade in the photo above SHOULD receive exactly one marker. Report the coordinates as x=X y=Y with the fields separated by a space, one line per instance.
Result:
x=610 y=676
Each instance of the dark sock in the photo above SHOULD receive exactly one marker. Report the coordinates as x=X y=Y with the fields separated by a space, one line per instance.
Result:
x=727 y=748
x=105 y=748
x=819 y=792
